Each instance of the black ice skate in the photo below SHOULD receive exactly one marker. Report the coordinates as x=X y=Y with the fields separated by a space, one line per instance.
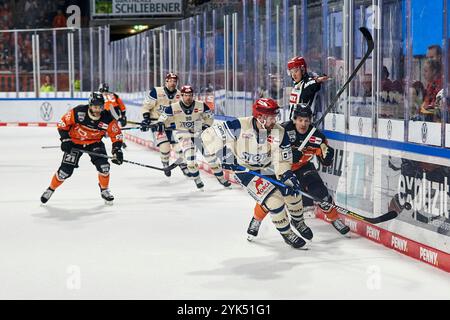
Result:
x=47 y=195
x=302 y=228
x=253 y=229
x=184 y=169
x=168 y=173
x=107 y=196
x=124 y=145
x=340 y=226
x=223 y=181
x=199 y=183
x=293 y=240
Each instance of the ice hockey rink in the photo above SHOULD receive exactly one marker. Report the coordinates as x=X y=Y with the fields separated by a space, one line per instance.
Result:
x=163 y=239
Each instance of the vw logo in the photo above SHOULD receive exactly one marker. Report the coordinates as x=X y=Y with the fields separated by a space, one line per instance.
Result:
x=46 y=111
x=360 y=126
x=424 y=132
x=333 y=122
x=389 y=129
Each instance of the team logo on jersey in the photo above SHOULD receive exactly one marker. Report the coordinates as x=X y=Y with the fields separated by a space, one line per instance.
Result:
x=103 y=125
x=315 y=140
x=187 y=124
x=293 y=98
x=196 y=110
x=272 y=139
x=247 y=135
x=261 y=186
x=46 y=111
x=257 y=158
x=292 y=135
x=81 y=116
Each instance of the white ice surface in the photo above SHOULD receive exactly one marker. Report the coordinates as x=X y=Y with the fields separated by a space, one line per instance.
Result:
x=163 y=239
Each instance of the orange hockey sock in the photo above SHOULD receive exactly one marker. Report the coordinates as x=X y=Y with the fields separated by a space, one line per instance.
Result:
x=103 y=181
x=55 y=183
x=332 y=214
x=259 y=213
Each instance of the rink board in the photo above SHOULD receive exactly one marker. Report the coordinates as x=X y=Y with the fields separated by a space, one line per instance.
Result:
x=364 y=181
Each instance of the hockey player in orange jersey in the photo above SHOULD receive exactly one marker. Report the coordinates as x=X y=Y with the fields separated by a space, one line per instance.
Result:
x=82 y=128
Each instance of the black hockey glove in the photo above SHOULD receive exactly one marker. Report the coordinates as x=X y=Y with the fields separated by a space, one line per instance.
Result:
x=146 y=122
x=292 y=183
x=67 y=145
x=117 y=156
x=123 y=120
x=159 y=126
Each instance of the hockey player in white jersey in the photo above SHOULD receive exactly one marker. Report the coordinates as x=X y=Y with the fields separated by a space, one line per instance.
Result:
x=259 y=143
x=154 y=103
x=305 y=85
x=188 y=118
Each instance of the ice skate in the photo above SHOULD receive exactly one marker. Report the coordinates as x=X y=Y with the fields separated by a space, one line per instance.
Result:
x=253 y=228
x=293 y=240
x=47 y=195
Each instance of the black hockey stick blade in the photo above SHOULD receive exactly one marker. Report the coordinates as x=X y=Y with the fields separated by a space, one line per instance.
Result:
x=383 y=218
x=368 y=36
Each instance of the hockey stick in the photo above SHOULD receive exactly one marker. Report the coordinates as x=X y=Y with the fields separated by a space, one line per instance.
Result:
x=130 y=128
x=370 y=46
x=384 y=217
x=168 y=168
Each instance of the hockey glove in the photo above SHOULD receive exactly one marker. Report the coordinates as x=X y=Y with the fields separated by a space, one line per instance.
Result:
x=292 y=183
x=159 y=126
x=67 y=145
x=117 y=156
x=146 y=122
x=123 y=120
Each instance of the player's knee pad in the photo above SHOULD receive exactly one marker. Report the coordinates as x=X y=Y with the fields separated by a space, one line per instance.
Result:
x=164 y=147
x=318 y=190
x=294 y=205
x=275 y=205
x=161 y=138
x=64 y=172
x=103 y=167
x=274 y=202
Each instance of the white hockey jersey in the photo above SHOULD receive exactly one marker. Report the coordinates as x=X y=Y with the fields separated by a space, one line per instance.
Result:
x=157 y=99
x=191 y=119
x=253 y=148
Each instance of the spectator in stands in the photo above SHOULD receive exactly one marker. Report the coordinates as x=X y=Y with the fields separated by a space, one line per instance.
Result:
x=59 y=21
x=432 y=73
x=4 y=57
x=434 y=52
x=47 y=86
x=27 y=62
x=6 y=15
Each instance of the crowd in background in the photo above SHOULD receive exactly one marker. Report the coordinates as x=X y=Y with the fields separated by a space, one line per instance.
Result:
x=30 y=14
